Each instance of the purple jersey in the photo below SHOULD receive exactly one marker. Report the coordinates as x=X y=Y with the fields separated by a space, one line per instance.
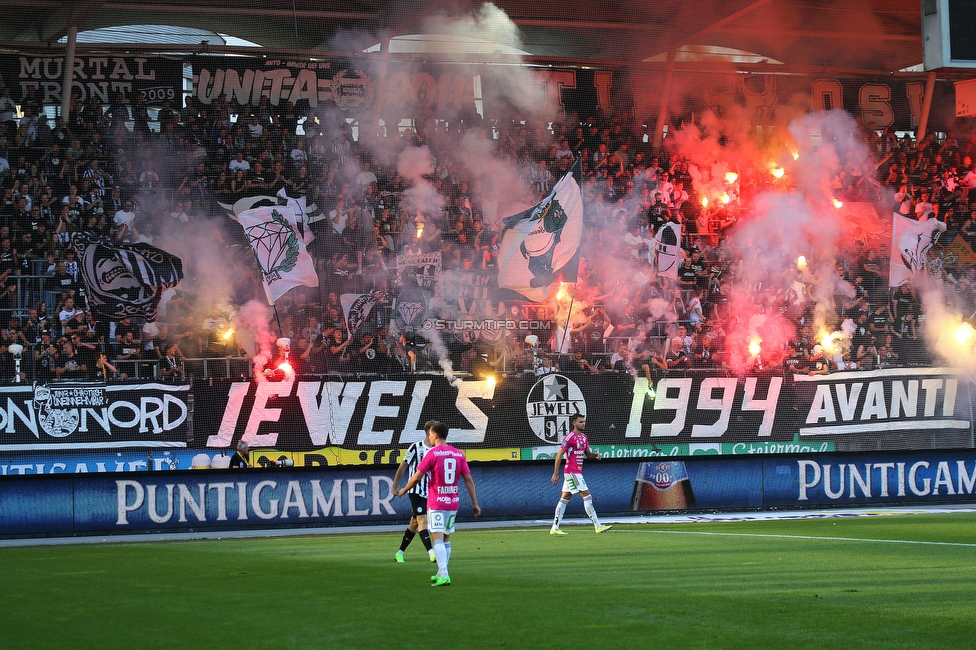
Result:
x=575 y=446
x=444 y=466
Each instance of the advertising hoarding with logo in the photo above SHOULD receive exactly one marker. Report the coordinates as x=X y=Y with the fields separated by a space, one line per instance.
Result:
x=213 y=499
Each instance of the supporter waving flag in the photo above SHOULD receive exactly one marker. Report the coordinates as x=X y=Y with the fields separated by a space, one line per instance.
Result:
x=543 y=241
x=356 y=307
x=667 y=250
x=279 y=249
x=123 y=280
x=911 y=242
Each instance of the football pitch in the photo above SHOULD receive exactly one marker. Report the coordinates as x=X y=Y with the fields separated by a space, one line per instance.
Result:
x=903 y=581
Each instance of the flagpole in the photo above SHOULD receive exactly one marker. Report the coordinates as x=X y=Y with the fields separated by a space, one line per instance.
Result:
x=275 y=308
x=572 y=301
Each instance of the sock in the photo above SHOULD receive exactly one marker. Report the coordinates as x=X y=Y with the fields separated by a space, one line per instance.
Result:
x=441 y=554
x=447 y=547
x=425 y=538
x=407 y=538
x=560 y=511
x=590 y=511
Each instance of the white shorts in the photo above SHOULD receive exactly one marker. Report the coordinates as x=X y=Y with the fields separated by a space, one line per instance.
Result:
x=441 y=521
x=574 y=483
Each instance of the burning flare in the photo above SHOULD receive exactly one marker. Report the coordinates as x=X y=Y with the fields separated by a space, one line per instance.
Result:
x=754 y=346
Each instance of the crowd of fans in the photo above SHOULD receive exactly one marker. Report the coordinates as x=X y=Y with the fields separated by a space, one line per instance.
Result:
x=112 y=170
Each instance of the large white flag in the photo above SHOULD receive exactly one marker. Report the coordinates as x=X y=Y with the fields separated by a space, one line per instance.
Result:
x=280 y=251
x=543 y=240
x=911 y=242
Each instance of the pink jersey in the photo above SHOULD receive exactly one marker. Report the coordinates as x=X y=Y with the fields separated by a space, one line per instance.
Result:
x=575 y=446
x=444 y=465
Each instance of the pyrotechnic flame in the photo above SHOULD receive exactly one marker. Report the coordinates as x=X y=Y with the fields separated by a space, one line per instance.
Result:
x=726 y=198
x=561 y=294
x=777 y=172
x=490 y=379
x=286 y=368
x=229 y=333
x=754 y=346
x=731 y=177
x=801 y=262
x=964 y=334
x=838 y=203
x=830 y=341
x=420 y=230
x=796 y=155
x=704 y=201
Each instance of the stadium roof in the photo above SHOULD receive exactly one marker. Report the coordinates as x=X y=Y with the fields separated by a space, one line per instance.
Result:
x=803 y=36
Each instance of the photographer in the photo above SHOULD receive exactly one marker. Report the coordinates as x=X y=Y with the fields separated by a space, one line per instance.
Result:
x=240 y=460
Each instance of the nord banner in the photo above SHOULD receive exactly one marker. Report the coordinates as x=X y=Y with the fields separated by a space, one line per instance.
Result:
x=88 y=415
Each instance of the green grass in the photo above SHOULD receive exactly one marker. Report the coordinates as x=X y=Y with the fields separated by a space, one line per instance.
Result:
x=714 y=585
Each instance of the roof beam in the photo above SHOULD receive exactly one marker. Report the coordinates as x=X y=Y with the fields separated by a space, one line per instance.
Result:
x=735 y=15
x=58 y=22
x=679 y=37
x=811 y=33
x=241 y=11
x=587 y=24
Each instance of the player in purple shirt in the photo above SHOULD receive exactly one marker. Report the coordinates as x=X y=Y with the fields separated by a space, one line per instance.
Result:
x=444 y=467
x=576 y=447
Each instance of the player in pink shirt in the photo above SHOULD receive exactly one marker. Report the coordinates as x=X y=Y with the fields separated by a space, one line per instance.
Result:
x=444 y=467
x=576 y=447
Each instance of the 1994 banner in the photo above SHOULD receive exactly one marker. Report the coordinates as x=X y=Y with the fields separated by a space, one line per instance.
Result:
x=918 y=408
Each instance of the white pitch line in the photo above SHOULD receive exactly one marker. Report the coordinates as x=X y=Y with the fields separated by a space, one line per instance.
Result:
x=816 y=537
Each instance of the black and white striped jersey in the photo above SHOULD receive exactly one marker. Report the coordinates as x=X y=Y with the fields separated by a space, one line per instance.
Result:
x=414 y=455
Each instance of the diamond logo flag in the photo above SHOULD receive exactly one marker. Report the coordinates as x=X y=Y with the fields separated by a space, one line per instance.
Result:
x=279 y=249
x=542 y=241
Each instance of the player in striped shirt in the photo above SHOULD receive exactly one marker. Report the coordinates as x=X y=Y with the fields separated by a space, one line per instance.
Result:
x=576 y=447
x=445 y=467
x=417 y=494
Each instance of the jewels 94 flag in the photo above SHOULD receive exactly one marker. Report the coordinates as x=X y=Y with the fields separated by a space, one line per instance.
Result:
x=542 y=241
x=279 y=249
